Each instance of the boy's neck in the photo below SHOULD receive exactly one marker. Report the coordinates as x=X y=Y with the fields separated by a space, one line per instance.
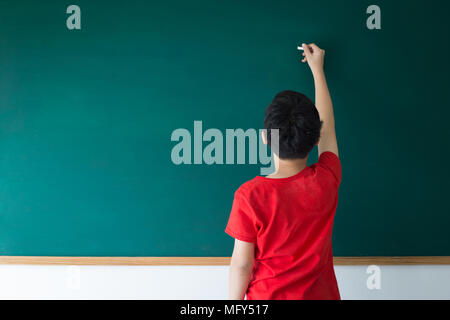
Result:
x=288 y=168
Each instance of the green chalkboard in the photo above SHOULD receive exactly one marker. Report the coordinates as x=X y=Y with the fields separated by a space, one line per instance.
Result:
x=86 y=118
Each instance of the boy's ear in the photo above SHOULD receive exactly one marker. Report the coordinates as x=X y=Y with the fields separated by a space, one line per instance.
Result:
x=264 y=136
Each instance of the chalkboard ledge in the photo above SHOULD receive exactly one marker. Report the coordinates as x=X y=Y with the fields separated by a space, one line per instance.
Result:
x=207 y=261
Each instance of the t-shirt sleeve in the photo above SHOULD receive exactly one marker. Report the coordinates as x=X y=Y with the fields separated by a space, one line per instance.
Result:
x=242 y=222
x=330 y=162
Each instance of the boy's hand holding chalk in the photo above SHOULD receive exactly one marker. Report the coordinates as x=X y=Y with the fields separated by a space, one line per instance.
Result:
x=313 y=55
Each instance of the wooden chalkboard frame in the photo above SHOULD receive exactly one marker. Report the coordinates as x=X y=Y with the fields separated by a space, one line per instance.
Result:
x=206 y=261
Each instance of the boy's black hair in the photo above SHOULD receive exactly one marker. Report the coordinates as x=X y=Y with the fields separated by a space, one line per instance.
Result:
x=298 y=121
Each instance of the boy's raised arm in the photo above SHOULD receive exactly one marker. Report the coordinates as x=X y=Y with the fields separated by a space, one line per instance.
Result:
x=315 y=57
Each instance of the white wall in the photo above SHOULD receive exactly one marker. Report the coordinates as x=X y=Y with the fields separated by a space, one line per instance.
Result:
x=124 y=282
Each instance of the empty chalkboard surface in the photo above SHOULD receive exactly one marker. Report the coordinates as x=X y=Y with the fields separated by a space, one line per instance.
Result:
x=86 y=118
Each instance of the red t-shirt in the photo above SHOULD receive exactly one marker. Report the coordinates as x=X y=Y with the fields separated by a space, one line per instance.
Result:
x=290 y=221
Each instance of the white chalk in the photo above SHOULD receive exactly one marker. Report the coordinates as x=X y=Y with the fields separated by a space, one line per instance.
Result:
x=300 y=48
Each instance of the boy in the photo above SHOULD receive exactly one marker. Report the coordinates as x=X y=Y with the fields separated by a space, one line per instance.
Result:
x=283 y=223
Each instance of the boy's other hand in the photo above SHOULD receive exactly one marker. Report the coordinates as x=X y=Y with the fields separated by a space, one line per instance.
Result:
x=314 y=56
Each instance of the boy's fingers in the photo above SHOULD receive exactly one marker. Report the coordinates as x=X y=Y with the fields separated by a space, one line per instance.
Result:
x=314 y=46
x=306 y=50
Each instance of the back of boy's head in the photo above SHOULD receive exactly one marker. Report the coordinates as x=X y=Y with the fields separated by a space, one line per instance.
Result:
x=298 y=122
